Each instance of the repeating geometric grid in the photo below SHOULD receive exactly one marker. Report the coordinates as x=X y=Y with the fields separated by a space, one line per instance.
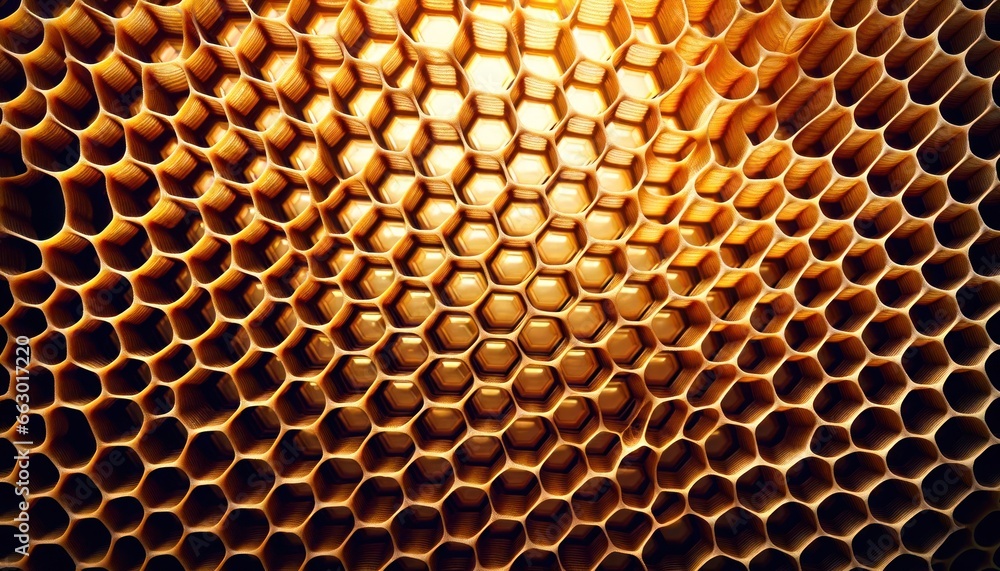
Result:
x=429 y=284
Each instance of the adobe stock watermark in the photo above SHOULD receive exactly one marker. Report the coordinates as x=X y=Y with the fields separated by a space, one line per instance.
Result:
x=22 y=460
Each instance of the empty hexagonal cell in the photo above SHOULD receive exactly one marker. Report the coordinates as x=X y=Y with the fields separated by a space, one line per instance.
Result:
x=489 y=408
x=541 y=338
x=537 y=388
x=501 y=312
x=439 y=429
x=343 y=429
x=576 y=419
x=585 y=369
x=686 y=543
x=495 y=359
x=578 y=144
x=447 y=380
x=488 y=123
x=308 y=353
x=514 y=492
x=782 y=433
x=461 y=283
x=394 y=403
x=488 y=53
x=479 y=179
x=453 y=332
x=428 y=479
x=583 y=547
x=420 y=255
x=500 y=543
x=858 y=470
x=531 y=160
x=560 y=242
x=403 y=353
x=466 y=511
x=647 y=74
x=387 y=451
x=528 y=440
x=791 y=525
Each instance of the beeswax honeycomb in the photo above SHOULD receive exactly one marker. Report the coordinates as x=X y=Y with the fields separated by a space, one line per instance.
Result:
x=486 y=284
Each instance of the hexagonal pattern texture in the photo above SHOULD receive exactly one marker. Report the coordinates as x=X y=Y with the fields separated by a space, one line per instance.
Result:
x=457 y=284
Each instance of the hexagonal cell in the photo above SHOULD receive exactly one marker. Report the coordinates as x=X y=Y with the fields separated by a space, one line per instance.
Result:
x=336 y=479
x=685 y=543
x=420 y=255
x=691 y=272
x=571 y=192
x=350 y=378
x=647 y=74
x=488 y=123
x=344 y=429
x=620 y=401
x=612 y=217
x=410 y=305
x=466 y=511
x=551 y=291
x=471 y=233
x=591 y=89
x=560 y=242
x=542 y=338
x=589 y=321
x=511 y=263
x=429 y=205
x=563 y=471
x=791 y=525
x=499 y=544
x=402 y=354
x=437 y=146
x=711 y=494
x=514 y=492
x=583 y=547
x=360 y=327
x=495 y=359
x=578 y=144
x=600 y=268
x=439 y=429
x=576 y=419
x=453 y=332
x=489 y=408
x=629 y=346
x=394 y=403
x=585 y=369
x=670 y=373
x=620 y=171
x=479 y=459
x=387 y=452
x=501 y=312
x=395 y=122
x=439 y=88
x=782 y=433
x=521 y=212
x=461 y=283
x=489 y=55
x=537 y=388
x=636 y=476
x=680 y=464
x=680 y=323
x=529 y=439
x=531 y=160
x=479 y=179
x=447 y=380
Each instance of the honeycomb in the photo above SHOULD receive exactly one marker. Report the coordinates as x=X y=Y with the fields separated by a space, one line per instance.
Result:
x=421 y=284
